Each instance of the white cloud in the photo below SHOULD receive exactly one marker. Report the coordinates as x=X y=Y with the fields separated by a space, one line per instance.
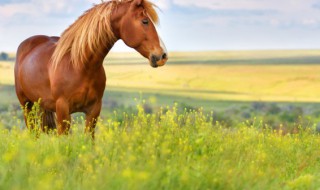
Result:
x=247 y=4
x=276 y=13
x=272 y=12
x=9 y=10
x=52 y=6
x=40 y=7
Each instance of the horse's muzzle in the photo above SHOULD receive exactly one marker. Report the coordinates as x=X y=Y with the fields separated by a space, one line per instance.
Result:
x=158 y=61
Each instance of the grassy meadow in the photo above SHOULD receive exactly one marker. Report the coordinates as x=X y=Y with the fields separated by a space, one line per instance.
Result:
x=206 y=120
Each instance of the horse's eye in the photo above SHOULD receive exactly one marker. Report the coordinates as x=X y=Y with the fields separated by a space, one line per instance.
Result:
x=145 y=21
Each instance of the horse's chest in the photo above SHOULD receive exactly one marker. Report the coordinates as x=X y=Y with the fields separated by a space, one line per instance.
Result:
x=84 y=99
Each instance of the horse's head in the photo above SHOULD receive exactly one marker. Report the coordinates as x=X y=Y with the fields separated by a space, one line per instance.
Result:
x=137 y=30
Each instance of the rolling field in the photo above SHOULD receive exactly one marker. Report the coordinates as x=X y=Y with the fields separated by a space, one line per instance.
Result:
x=237 y=76
x=206 y=120
x=280 y=76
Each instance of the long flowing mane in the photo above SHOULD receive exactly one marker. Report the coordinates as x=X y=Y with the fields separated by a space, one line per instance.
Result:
x=92 y=30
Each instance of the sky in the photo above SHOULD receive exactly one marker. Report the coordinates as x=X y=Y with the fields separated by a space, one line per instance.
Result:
x=185 y=25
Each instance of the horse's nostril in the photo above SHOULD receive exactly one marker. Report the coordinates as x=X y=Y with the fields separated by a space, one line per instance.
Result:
x=164 y=56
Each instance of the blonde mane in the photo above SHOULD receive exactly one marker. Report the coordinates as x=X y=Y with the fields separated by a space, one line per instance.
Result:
x=91 y=31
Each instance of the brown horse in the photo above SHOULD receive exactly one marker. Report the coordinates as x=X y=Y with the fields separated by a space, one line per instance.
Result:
x=67 y=73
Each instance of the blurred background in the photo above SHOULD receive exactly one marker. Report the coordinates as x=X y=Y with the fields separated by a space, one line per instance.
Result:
x=239 y=60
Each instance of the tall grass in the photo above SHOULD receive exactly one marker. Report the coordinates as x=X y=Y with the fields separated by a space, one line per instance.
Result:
x=165 y=150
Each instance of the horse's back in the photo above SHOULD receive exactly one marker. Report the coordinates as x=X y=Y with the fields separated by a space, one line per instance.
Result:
x=31 y=43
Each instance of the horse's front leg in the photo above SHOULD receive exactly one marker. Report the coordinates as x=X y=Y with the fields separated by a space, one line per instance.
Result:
x=63 y=116
x=92 y=118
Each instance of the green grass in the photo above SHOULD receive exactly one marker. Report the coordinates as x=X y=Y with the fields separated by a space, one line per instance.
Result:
x=164 y=150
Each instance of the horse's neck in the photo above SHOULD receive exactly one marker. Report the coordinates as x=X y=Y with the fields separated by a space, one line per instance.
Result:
x=96 y=59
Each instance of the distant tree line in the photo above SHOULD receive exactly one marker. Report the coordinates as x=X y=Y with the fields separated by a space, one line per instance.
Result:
x=5 y=57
